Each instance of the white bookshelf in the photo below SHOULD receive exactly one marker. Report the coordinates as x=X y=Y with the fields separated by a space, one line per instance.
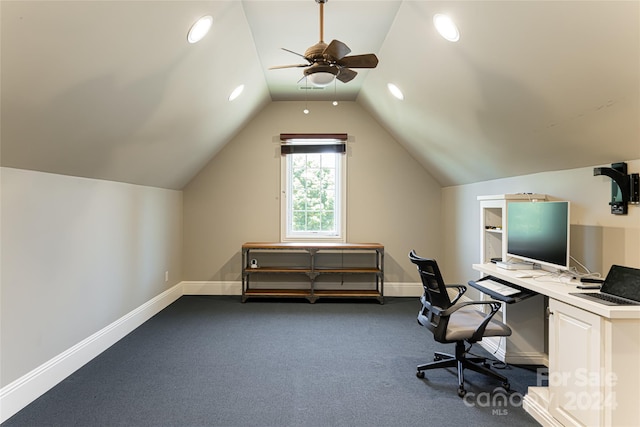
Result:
x=493 y=245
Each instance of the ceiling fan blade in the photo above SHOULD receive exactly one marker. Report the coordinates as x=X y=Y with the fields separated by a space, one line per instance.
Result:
x=346 y=75
x=295 y=53
x=331 y=58
x=368 y=60
x=278 y=67
x=337 y=50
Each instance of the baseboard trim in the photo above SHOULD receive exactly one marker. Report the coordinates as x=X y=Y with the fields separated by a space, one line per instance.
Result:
x=520 y=358
x=24 y=390
x=21 y=392
x=391 y=289
x=211 y=288
x=536 y=404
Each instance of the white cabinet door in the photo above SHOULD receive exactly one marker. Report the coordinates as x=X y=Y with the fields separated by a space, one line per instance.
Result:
x=576 y=389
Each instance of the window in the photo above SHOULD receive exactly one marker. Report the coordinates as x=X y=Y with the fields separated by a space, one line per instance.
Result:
x=313 y=183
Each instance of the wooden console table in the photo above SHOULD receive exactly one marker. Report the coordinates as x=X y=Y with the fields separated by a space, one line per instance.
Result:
x=281 y=263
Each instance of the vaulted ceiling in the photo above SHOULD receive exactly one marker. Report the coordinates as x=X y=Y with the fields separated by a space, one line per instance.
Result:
x=113 y=90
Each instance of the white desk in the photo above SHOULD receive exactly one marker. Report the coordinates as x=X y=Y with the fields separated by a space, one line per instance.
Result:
x=594 y=357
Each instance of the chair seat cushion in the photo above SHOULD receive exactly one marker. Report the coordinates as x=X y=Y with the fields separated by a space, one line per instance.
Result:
x=464 y=322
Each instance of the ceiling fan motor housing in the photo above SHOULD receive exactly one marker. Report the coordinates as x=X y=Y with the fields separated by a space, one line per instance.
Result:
x=329 y=61
x=321 y=68
x=314 y=53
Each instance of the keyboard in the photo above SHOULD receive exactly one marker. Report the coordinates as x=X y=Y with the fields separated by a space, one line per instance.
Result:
x=498 y=288
x=610 y=298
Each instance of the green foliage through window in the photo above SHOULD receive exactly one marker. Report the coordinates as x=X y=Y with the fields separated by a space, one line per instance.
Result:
x=313 y=192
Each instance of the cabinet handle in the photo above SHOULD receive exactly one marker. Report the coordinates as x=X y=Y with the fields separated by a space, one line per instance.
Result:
x=549 y=312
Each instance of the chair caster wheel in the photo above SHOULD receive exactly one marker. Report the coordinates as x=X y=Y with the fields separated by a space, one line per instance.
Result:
x=420 y=374
x=462 y=392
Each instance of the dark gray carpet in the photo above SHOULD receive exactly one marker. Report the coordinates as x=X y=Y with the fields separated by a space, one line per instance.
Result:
x=214 y=361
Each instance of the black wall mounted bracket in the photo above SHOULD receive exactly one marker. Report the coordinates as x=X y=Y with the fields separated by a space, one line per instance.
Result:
x=624 y=188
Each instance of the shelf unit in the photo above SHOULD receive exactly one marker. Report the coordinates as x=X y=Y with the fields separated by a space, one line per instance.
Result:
x=311 y=270
x=493 y=245
x=493 y=223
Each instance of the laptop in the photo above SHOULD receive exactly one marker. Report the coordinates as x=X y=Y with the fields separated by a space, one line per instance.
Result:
x=621 y=287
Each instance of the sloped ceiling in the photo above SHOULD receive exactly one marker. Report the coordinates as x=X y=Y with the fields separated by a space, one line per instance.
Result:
x=112 y=89
x=531 y=86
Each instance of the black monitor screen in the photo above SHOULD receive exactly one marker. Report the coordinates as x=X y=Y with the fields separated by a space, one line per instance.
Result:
x=539 y=232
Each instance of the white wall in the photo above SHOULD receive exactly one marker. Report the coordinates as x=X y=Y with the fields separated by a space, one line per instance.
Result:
x=598 y=238
x=77 y=254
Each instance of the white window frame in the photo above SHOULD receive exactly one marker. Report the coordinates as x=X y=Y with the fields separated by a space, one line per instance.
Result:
x=341 y=200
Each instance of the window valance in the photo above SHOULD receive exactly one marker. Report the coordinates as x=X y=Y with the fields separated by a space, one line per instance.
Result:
x=297 y=143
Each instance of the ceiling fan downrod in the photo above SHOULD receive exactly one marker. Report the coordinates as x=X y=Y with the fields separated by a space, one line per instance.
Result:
x=321 y=3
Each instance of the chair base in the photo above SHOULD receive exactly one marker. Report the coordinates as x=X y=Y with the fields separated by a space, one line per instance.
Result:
x=459 y=361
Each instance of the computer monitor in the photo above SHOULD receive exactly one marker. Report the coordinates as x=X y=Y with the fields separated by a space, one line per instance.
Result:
x=538 y=232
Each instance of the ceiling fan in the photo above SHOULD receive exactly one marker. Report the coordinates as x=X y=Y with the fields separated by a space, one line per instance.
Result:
x=328 y=62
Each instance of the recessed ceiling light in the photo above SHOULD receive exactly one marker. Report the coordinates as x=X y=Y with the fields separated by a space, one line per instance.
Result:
x=446 y=27
x=236 y=92
x=395 y=91
x=199 y=29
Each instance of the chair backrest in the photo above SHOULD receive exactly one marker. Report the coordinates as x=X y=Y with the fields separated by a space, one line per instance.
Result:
x=435 y=296
x=434 y=287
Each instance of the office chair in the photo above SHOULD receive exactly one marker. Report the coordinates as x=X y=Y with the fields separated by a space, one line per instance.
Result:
x=451 y=321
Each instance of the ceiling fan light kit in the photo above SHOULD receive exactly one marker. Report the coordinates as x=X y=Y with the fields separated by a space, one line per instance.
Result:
x=321 y=79
x=321 y=75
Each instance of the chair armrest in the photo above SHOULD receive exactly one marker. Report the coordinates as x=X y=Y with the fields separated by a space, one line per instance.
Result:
x=461 y=290
x=495 y=306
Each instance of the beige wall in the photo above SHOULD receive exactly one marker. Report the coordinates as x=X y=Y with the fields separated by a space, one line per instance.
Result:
x=78 y=254
x=235 y=198
x=598 y=238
